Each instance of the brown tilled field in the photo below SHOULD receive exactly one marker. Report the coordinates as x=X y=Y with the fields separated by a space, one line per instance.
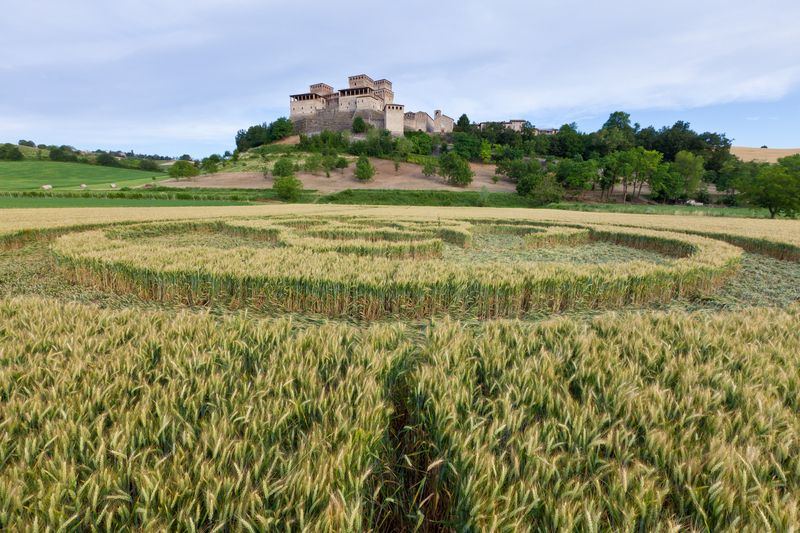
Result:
x=408 y=177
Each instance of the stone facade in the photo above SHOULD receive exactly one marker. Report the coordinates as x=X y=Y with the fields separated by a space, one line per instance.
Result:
x=323 y=108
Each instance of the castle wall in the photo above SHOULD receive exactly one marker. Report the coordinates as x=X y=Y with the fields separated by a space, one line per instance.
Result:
x=395 y=119
x=306 y=107
x=335 y=120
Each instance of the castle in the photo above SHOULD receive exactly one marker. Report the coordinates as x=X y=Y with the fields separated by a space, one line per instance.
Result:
x=322 y=108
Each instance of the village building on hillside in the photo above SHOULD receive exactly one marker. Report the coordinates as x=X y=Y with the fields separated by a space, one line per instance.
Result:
x=518 y=125
x=323 y=108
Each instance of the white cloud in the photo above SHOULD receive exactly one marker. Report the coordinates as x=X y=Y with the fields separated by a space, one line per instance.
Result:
x=96 y=70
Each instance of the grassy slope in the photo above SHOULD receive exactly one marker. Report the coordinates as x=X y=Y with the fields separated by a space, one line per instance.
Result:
x=31 y=175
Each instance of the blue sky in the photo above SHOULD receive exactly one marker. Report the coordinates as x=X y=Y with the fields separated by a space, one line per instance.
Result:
x=183 y=76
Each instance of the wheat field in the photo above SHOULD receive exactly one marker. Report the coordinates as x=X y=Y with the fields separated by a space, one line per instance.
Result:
x=317 y=368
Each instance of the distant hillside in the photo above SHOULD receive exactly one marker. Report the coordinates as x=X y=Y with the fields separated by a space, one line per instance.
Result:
x=767 y=155
x=32 y=174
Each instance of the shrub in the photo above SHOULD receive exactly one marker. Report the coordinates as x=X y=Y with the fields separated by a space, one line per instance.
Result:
x=107 y=160
x=313 y=163
x=149 y=165
x=359 y=126
x=429 y=167
x=63 y=153
x=287 y=187
x=364 y=169
x=283 y=167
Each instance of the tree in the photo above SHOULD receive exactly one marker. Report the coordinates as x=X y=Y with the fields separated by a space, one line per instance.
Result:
x=183 y=169
x=283 y=167
x=774 y=188
x=359 y=125
x=690 y=168
x=616 y=134
x=210 y=164
x=107 y=160
x=185 y=157
x=364 y=169
x=287 y=187
x=486 y=151
x=9 y=152
x=463 y=124
x=576 y=174
x=403 y=146
x=467 y=145
x=455 y=170
x=568 y=142
x=23 y=142
x=429 y=167
x=540 y=185
x=666 y=184
x=644 y=163
x=791 y=163
x=735 y=172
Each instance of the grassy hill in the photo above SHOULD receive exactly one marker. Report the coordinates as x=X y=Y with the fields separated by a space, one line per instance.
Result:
x=30 y=175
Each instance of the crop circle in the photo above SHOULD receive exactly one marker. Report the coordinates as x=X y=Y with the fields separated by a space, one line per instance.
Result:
x=368 y=268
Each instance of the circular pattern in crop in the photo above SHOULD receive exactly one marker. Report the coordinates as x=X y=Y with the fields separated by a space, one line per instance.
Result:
x=365 y=267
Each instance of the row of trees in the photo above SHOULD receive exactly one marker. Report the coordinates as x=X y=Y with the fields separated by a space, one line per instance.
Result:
x=263 y=134
x=617 y=134
x=631 y=169
x=10 y=152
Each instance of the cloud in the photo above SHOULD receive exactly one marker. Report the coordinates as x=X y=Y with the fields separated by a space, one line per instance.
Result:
x=90 y=70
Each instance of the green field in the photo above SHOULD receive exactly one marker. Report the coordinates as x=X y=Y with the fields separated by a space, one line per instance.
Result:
x=428 y=198
x=12 y=202
x=31 y=175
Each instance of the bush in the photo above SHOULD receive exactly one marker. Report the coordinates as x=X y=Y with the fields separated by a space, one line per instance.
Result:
x=63 y=153
x=313 y=163
x=183 y=169
x=149 y=165
x=359 y=126
x=341 y=163
x=429 y=167
x=287 y=188
x=283 y=167
x=107 y=160
x=364 y=169
x=455 y=170
x=703 y=196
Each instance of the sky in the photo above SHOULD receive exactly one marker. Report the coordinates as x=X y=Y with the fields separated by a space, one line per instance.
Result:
x=180 y=76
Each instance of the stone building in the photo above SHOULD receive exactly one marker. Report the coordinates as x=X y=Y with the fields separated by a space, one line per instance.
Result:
x=519 y=125
x=322 y=108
